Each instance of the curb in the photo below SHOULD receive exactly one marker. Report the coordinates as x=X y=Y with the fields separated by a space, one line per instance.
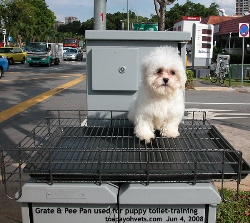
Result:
x=213 y=89
x=243 y=89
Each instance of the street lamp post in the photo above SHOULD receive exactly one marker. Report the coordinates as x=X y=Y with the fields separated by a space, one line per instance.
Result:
x=127 y=15
x=128 y=11
x=136 y=14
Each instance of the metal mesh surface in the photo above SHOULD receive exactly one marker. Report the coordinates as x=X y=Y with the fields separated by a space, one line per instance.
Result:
x=71 y=146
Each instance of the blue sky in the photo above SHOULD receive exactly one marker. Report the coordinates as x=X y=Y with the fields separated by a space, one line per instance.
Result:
x=84 y=9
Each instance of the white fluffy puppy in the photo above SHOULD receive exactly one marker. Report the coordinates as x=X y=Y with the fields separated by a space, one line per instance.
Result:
x=159 y=104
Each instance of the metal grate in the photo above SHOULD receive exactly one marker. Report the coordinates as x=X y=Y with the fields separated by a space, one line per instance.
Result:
x=73 y=146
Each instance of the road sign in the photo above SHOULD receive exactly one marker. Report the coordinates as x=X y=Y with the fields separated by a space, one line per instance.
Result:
x=243 y=29
x=10 y=39
x=4 y=31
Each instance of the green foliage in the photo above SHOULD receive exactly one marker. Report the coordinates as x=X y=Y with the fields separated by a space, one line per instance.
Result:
x=33 y=21
x=190 y=79
x=189 y=9
x=113 y=22
x=234 y=210
x=234 y=58
x=27 y=20
x=237 y=59
x=88 y=25
x=72 y=28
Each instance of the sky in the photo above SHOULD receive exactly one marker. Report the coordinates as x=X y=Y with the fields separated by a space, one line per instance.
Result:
x=84 y=9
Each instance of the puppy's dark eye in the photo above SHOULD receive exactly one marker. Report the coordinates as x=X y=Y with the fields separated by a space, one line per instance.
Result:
x=172 y=72
x=159 y=71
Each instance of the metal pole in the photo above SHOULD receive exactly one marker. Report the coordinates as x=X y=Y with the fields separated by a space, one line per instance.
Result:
x=122 y=24
x=229 y=40
x=127 y=15
x=100 y=14
x=136 y=14
x=230 y=75
x=243 y=47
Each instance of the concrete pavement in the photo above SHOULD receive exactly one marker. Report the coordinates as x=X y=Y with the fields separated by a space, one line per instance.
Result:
x=238 y=138
x=207 y=86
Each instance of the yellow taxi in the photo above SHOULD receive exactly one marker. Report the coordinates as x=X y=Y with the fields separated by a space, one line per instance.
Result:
x=13 y=54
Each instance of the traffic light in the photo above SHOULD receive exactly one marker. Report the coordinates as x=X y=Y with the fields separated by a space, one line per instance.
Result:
x=4 y=31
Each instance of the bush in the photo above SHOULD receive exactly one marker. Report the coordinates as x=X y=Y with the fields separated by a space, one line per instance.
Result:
x=237 y=59
x=190 y=79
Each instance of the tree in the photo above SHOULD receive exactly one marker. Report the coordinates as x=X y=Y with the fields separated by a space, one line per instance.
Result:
x=27 y=20
x=72 y=27
x=17 y=18
x=114 y=20
x=160 y=9
x=45 y=20
x=189 y=9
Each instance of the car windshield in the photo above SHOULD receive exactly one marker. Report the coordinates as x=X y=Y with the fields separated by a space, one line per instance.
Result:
x=72 y=50
x=36 y=47
x=6 y=50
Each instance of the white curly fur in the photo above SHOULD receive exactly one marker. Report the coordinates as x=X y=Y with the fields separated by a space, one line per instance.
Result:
x=159 y=104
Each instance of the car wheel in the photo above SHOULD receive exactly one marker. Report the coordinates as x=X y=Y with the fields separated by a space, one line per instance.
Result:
x=31 y=64
x=1 y=72
x=11 y=61
x=23 y=61
x=57 y=61
x=49 y=63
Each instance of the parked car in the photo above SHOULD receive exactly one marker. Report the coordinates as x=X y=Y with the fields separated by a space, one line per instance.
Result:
x=65 y=49
x=73 y=54
x=13 y=54
x=4 y=65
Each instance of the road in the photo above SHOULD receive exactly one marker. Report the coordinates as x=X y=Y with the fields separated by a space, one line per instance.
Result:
x=27 y=92
x=229 y=107
x=22 y=83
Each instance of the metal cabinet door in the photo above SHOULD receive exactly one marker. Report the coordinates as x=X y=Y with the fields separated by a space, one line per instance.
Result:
x=115 y=69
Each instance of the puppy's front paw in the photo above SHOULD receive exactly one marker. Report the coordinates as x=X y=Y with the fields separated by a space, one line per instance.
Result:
x=144 y=134
x=146 y=137
x=170 y=132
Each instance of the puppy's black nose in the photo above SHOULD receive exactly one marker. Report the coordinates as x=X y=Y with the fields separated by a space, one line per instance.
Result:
x=165 y=80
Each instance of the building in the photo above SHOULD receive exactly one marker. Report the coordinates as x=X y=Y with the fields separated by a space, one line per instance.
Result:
x=57 y=24
x=185 y=23
x=242 y=7
x=70 y=19
x=226 y=33
x=213 y=19
x=226 y=30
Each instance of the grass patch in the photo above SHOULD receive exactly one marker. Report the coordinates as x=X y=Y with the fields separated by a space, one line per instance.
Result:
x=234 y=82
x=237 y=211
